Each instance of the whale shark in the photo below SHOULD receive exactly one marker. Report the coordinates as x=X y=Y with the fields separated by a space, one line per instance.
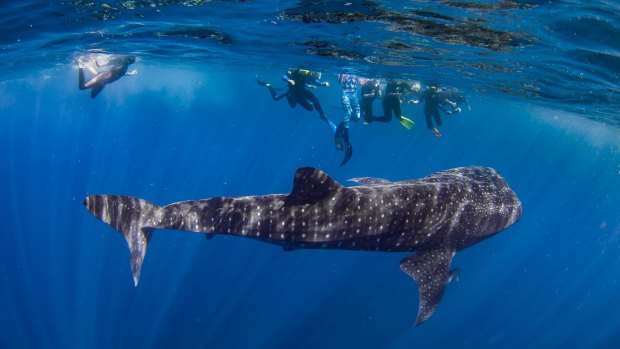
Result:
x=431 y=218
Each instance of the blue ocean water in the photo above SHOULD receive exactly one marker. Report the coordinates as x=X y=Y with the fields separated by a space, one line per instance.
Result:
x=541 y=78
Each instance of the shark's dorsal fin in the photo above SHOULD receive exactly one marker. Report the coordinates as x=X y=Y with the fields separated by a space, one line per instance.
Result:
x=370 y=181
x=431 y=272
x=310 y=186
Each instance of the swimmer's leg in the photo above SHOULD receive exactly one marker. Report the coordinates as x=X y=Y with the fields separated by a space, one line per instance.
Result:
x=346 y=104
x=304 y=103
x=367 y=111
x=428 y=114
x=357 y=113
x=315 y=101
x=429 y=120
x=387 y=111
x=292 y=101
x=81 y=85
x=100 y=78
x=278 y=95
x=437 y=117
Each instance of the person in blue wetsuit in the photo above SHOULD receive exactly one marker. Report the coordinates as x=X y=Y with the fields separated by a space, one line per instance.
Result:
x=394 y=90
x=104 y=69
x=350 y=101
x=298 y=81
x=351 y=105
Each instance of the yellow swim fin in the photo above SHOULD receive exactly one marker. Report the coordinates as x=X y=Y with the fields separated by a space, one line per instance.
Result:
x=407 y=123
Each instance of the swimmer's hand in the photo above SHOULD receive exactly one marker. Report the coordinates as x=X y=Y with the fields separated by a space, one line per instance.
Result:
x=132 y=73
x=326 y=84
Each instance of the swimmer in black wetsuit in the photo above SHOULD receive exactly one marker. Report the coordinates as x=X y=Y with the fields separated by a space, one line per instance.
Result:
x=370 y=91
x=390 y=102
x=105 y=69
x=298 y=81
x=432 y=99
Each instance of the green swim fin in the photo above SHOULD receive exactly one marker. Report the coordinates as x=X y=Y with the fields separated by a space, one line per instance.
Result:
x=407 y=123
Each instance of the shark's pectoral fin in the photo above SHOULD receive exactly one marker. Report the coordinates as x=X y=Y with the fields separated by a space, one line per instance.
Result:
x=431 y=272
x=310 y=186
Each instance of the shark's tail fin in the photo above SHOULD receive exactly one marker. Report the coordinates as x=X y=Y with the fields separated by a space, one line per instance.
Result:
x=134 y=218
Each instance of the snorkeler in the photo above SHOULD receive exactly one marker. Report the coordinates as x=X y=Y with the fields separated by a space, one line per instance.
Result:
x=432 y=99
x=370 y=91
x=390 y=102
x=298 y=81
x=452 y=100
x=351 y=105
x=104 y=69
x=350 y=102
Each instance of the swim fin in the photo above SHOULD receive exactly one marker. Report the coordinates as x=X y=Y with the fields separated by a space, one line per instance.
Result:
x=407 y=123
x=96 y=90
x=332 y=126
x=348 y=152
x=341 y=138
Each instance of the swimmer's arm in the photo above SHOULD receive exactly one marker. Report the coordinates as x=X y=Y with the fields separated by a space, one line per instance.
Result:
x=317 y=82
x=453 y=104
x=288 y=80
x=92 y=69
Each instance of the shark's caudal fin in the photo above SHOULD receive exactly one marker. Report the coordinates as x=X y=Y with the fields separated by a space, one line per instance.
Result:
x=134 y=218
x=431 y=272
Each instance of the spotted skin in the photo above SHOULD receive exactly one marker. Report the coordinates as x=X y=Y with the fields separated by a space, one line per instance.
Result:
x=435 y=217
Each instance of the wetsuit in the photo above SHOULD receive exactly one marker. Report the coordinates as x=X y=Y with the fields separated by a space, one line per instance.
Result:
x=431 y=98
x=350 y=101
x=391 y=100
x=369 y=92
x=299 y=93
x=114 y=70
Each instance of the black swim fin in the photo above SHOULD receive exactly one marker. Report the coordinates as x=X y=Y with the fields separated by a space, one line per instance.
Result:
x=96 y=90
x=341 y=138
x=348 y=152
